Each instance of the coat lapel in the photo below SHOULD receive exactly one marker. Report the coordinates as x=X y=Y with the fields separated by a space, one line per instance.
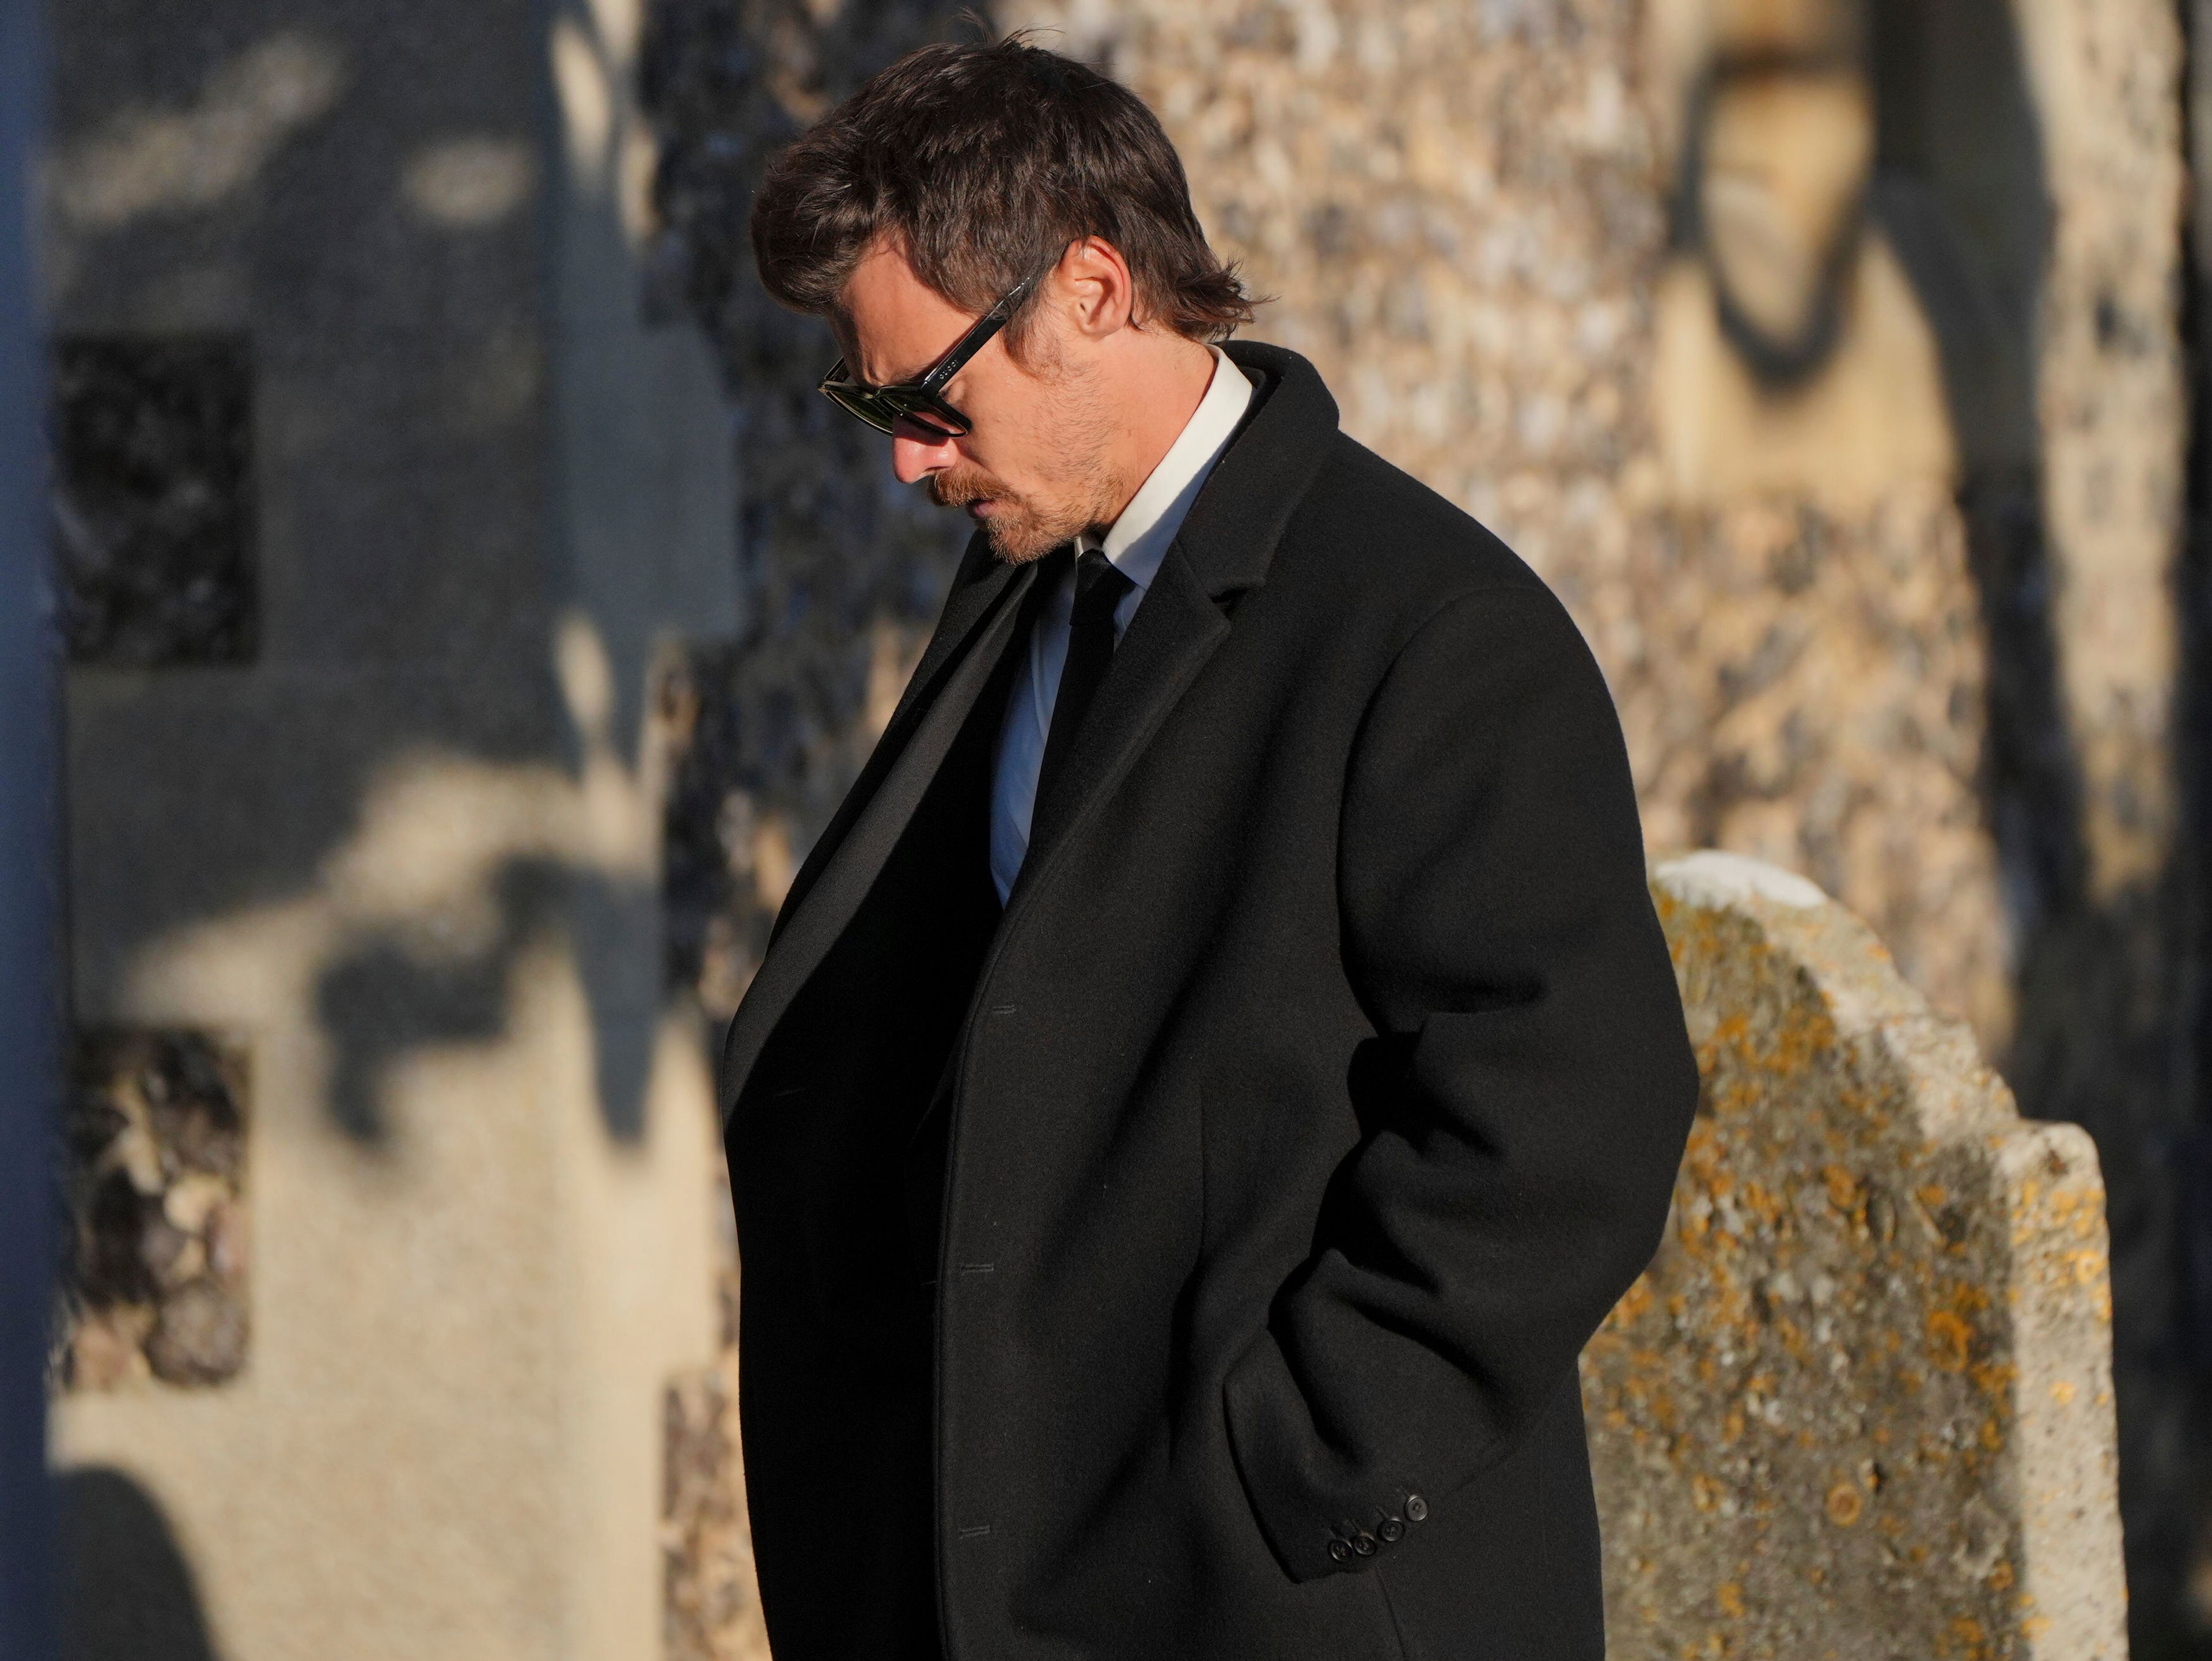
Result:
x=981 y=578
x=979 y=618
x=1176 y=629
x=976 y=585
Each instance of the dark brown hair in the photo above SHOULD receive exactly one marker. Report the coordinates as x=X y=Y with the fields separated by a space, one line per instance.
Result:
x=982 y=163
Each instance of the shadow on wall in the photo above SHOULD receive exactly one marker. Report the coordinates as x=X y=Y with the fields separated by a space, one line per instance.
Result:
x=2099 y=969
x=219 y=808
x=456 y=868
x=129 y=1594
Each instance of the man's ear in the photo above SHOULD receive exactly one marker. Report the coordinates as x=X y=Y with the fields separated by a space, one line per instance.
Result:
x=1100 y=293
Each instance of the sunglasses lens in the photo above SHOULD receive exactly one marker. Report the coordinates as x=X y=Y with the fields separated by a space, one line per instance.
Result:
x=931 y=426
x=925 y=417
x=860 y=401
x=922 y=414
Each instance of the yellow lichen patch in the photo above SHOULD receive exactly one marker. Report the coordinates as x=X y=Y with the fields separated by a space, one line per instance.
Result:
x=1966 y=1638
x=1728 y=1034
x=1729 y=1596
x=1801 y=1037
x=1636 y=1302
x=1994 y=1377
x=1948 y=1338
x=1845 y=1505
x=2061 y=1391
x=1843 y=1189
x=1762 y=1202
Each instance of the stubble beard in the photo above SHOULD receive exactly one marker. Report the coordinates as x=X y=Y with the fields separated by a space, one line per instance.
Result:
x=1083 y=492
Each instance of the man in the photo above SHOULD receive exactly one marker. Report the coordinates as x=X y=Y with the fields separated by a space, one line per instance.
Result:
x=1220 y=1062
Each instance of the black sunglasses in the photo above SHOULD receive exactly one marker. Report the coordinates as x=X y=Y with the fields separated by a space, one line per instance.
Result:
x=916 y=402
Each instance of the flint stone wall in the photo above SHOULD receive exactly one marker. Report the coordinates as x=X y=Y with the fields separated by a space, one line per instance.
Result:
x=1861 y=1404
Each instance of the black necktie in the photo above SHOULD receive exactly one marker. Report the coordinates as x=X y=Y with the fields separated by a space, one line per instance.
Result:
x=1098 y=589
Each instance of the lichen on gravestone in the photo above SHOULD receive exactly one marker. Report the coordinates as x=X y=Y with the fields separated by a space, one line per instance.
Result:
x=1861 y=1402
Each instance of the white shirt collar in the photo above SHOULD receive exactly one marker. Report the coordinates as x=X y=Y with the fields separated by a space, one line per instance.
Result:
x=1139 y=540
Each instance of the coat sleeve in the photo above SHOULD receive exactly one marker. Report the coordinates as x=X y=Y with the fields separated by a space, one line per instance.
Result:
x=1523 y=1104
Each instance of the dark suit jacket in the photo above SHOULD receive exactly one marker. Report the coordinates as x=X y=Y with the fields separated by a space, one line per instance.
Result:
x=1320 y=1089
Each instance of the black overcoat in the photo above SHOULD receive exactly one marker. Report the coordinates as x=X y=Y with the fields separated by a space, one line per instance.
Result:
x=1319 y=1090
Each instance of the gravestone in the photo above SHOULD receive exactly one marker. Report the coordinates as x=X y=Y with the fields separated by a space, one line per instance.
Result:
x=1861 y=1403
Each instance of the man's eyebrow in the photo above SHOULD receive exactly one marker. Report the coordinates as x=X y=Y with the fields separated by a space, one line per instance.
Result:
x=916 y=373
x=848 y=348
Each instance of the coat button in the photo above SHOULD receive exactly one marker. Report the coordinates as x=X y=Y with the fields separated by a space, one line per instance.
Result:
x=1417 y=1508
x=1390 y=1531
x=1363 y=1543
x=1341 y=1550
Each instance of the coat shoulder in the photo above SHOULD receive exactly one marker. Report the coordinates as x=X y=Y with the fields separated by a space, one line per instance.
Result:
x=1369 y=538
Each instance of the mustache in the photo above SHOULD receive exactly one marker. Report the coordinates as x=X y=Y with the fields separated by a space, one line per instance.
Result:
x=957 y=488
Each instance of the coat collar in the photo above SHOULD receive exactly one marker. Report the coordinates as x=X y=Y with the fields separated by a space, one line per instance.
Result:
x=1229 y=537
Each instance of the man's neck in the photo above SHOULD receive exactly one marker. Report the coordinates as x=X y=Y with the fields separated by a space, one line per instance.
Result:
x=1157 y=389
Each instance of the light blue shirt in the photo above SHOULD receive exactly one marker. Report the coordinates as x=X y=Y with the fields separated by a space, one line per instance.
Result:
x=1136 y=544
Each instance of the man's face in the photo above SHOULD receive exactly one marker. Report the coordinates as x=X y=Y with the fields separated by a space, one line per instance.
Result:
x=1033 y=471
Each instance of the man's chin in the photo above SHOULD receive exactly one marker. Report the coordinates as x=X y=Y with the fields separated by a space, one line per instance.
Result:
x=1018 y=541
x=1016 y=533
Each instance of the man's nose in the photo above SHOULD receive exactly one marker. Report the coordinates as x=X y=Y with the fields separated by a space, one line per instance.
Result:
x=913 y=458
